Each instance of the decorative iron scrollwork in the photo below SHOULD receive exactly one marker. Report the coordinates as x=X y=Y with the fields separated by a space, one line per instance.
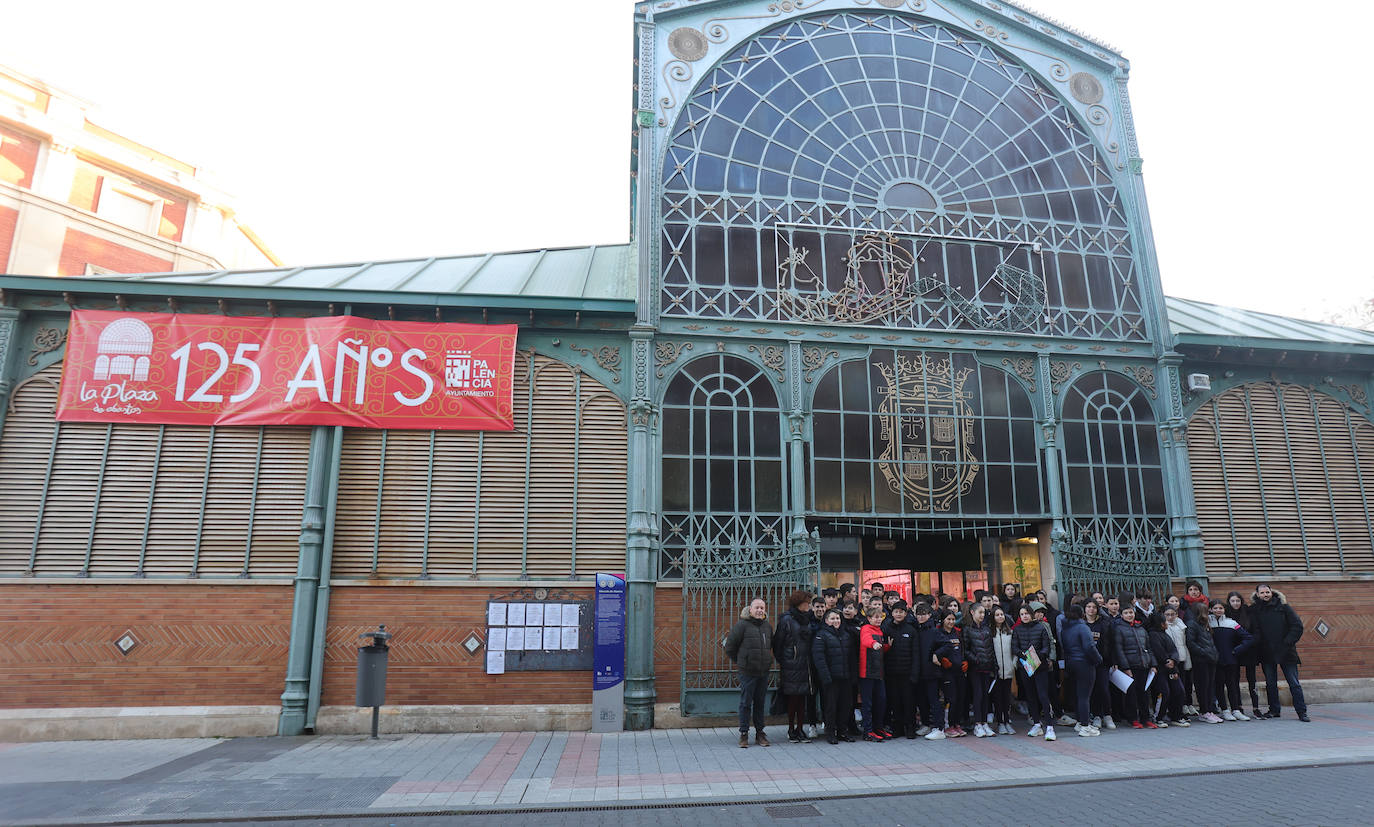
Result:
x=814 y=358
x=46 y=340
x=666 y=353
x=1061 y=372
x=1025 y=368
x=772 y=357
x=607 y=356
x=1144 y=376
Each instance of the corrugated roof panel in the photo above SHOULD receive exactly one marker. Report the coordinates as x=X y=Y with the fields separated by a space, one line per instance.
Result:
x=1190 y=317
x=443 y=275
x=254 y=279
x=318 y=276
x=559 y=273
x=384 y=275
x=503 y=274
x=610 y=276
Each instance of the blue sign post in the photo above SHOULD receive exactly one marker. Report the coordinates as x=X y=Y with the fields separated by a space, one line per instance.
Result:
x=608 y=654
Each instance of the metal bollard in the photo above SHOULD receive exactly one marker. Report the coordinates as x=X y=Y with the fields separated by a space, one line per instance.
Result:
x=372 y=673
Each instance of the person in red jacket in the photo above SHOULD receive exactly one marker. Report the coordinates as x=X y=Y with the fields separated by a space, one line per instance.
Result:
x=873 y=645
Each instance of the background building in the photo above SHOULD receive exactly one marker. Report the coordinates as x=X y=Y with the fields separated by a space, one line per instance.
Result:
x=77 y=199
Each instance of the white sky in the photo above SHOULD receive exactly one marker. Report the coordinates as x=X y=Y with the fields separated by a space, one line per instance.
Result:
x=354 y=131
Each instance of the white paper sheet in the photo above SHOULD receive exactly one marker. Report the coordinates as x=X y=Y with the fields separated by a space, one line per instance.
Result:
x=534 y=614
x=515 y=639
x=496 y=639
x=552 y=637
x=570 y=637
x=1150 y=679
x=515 y=614
x=496 y=663
x=571 y=615
x=496 y=614
x=534 y=639
x=1121 y=680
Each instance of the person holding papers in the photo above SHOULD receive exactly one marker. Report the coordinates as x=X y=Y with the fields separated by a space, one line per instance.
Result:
x=1137 y=662
x=1032 y=642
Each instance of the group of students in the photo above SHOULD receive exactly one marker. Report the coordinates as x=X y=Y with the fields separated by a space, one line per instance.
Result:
x=941 y=669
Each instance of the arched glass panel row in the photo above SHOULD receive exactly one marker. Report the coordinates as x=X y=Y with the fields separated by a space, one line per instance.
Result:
x=923 y=433
x=1111 y=448
x=809 y=172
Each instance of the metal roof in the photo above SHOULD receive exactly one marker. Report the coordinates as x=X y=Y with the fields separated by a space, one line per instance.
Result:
x=581 y=273
x=1195 y=321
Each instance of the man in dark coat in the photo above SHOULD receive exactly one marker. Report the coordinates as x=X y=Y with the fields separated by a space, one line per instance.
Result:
x=750 y=646
x=1277 y=630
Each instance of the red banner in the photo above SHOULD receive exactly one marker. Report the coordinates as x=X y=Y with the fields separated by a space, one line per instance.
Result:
x=187 y=369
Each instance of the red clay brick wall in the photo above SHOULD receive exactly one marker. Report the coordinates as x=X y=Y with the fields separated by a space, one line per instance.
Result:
x=18 y=156
x=197 y=645
x=427 y=663
x=80 y=249
x=8 y=219
x=1348 y=651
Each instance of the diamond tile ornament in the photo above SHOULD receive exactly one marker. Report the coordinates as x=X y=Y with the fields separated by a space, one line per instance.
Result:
x=126 y=643
x=1323 y=628
x=472 y=644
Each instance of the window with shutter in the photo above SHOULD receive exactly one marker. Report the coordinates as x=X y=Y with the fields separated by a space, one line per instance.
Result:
x=123 y=500
x=1281 y=476
x=544 y=501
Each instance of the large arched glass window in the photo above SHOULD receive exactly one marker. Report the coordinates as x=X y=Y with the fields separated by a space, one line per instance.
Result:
x=1111 y=449
x=873 y=168
x=923 y=433
x=723 y=481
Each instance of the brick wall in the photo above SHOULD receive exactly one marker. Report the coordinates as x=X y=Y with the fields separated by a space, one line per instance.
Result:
x=8 y=219
x=197 y=645
x=18 y=157
x=1348 y=651
x=427 y=663
x=80 y=249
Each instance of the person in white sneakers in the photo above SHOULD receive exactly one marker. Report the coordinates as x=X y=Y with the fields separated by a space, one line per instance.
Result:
x=1232 y=643
x=1029 y=636
x=1204 y=655
x=1081 y=659
x=978 y=649
x=1005 y=672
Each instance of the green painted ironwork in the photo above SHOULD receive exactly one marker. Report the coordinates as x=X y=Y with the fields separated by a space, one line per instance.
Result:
x=95 y=500
x=377 y=514
x=253 y=502
x=152 y=493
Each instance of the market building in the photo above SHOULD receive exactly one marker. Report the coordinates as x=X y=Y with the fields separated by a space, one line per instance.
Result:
x=890 y=304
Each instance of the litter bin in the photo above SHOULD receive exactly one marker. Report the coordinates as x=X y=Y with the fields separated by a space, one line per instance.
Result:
x=371 y=690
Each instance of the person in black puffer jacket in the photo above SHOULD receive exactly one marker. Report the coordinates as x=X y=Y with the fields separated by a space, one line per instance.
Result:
x=1026 y=635
x=1136 y=660
x=1278 y=630
x=750 y=646
x=982 y=664
x=832 y=652
x=1101 y=628
x=792 y=648
x=949 y=653
x=1203 y=651
x=925 y=677
x=901 y=694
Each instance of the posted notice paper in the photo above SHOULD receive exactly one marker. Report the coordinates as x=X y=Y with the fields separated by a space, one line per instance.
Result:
x=534 y=614
x=496 y=640
x=496 y=663
x=496 y=614
x=570 y=614
x=570 y=637
x=515 y=614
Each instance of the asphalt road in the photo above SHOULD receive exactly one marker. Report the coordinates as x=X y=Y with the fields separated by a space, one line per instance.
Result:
x=1315 y=795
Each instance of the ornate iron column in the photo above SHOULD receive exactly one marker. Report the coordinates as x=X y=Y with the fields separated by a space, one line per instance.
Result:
x=796 y=427
x=9 y=349
x=640 y=544
x=1049 y=429
x=1185 y=533
x=295 y=698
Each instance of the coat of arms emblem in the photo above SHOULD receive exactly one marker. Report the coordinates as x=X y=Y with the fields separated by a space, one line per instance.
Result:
x=926 y=429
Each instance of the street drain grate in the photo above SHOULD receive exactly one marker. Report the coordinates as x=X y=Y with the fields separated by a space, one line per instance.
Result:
x=792 y=811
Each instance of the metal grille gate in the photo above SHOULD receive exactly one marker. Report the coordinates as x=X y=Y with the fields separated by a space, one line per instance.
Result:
x=718 y=582
x=1113 y=555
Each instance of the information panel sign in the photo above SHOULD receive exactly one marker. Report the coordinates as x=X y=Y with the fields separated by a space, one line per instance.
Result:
x=608 y=655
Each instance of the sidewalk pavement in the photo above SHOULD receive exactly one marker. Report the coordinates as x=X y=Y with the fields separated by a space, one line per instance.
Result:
x=208 y=779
